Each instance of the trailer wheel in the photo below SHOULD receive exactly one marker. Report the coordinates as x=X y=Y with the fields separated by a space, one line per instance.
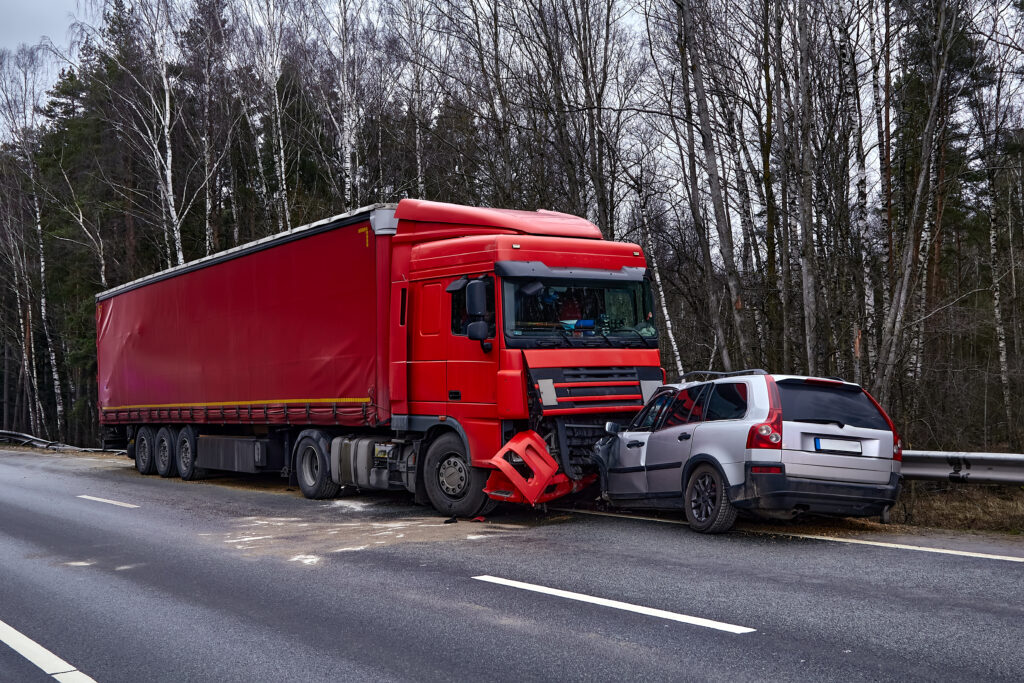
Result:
x=453 y=485
x=313 y=468
x=164 y=459
x=145 y=443
x=185 y=455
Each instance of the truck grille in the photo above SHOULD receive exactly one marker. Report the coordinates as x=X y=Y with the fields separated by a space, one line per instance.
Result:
x=565 y=391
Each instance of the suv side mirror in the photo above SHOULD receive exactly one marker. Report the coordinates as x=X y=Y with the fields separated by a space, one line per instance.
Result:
x=612 y=427
x=476 y=299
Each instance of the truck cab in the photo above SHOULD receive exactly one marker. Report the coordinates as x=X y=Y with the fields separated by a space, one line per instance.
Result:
x=523 y=332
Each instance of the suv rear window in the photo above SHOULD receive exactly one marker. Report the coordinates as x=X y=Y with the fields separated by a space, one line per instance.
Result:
x=819 y=403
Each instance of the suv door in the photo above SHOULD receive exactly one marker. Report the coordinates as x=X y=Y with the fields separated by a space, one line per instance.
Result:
x=669 y=446
x=723 y=433
x=626 y=474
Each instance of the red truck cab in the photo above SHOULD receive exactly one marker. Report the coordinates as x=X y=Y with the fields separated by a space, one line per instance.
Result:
x=466 y=354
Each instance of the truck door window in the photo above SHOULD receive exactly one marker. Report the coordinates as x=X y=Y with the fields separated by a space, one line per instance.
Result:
x=460 y=315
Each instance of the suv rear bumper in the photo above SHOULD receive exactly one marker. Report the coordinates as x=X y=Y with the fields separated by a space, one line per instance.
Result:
x=780 y=492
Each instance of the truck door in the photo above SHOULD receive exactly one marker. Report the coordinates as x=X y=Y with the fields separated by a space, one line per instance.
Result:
x=472 y=371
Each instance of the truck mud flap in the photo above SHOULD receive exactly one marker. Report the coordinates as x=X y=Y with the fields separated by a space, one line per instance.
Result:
x=525 y=472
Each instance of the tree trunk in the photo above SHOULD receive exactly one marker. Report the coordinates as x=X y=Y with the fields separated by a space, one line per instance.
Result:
x=714 y=181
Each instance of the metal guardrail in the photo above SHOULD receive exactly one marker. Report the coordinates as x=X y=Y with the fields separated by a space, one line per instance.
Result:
x=983 y=468
x=19 y=439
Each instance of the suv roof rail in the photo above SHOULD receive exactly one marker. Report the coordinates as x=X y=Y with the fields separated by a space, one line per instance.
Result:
x=716 y=373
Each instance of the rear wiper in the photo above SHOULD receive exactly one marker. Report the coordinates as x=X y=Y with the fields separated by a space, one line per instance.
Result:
x=820 y=421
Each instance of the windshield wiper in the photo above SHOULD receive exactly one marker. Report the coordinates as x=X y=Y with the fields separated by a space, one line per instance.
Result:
x=820 y=421
x=567 y=337
x=634 y=331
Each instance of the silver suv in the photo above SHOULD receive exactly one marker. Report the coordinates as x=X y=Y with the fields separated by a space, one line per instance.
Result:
x=769 y=444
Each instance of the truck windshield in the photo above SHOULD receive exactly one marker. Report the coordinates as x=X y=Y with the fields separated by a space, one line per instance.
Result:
x=559 y=312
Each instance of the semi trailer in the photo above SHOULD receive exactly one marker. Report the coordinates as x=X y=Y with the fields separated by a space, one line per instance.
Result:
x=464 y=354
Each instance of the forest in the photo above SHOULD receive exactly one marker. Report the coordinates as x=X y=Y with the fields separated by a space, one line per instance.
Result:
x=827 y=187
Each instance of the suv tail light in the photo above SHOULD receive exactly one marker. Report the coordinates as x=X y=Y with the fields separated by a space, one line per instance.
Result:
x=897 y=442
x=768 y=434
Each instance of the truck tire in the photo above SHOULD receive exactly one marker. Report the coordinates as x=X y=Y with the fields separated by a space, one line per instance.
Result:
x=145 y=444
x=185 y=455
x=164 y=458
x=454 y=486
x=313 y=467
x=708 y=509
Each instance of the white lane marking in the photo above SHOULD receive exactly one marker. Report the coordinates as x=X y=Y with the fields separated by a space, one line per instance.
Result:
x=109 y=502
x=834 y=539
x=620 y=515
x=246 y=539
x=37 y=654
x=73 y=677
x=903 y=546
x=639 y=609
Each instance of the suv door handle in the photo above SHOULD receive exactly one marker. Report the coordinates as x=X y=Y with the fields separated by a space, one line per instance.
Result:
x=685 y=436
x=634 y=444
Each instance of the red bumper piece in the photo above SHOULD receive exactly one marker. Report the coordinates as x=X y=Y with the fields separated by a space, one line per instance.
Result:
x=508 y=484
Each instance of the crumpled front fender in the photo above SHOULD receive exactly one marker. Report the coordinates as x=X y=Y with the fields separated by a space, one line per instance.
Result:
x=539 y=480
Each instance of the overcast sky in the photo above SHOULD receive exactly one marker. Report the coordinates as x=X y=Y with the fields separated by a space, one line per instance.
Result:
x=26 y=21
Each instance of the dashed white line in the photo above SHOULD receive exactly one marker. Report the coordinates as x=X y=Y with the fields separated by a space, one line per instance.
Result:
x=815 y=537
x=44 y=659
x=625 y=606
x=109 y=502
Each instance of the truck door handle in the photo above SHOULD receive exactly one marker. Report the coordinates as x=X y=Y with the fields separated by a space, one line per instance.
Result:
x=454 y=395
x=634 y=444
x=685 y=436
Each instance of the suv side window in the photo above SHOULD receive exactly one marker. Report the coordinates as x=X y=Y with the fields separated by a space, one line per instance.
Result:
x=727 y=402
x=649 y=416
x=682 y=410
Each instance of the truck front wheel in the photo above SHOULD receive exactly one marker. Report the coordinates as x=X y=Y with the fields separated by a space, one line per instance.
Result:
x=453 y=485
x=312 y=467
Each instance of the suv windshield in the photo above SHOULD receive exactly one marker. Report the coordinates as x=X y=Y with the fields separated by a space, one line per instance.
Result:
x=562 y=312
x=847 y=405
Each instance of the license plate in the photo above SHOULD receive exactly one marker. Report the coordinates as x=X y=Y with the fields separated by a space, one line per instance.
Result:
x=840 y=445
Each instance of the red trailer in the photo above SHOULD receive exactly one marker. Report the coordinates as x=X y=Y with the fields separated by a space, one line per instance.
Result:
x=465 y=354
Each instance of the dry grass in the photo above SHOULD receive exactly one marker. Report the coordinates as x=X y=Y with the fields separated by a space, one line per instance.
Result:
x=974 y=507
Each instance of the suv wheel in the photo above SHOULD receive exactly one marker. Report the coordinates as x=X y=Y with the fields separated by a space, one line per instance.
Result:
x=708 y=509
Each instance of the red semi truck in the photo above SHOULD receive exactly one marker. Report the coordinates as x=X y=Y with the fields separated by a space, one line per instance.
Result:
x=464 y=354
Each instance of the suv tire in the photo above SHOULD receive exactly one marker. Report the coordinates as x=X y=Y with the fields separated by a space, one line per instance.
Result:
x=708 y=509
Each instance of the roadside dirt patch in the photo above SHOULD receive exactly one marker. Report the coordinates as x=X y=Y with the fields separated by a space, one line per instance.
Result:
x=972 y=507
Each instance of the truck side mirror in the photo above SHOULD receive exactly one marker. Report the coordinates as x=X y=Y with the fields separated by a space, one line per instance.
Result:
x=612 y=427
x=477 y=330
x=476 y=299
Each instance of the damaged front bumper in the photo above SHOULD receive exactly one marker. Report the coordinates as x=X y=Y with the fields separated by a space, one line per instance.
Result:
x=525 y=472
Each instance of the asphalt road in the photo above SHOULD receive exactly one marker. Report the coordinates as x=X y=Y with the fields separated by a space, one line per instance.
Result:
x=219 y=581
